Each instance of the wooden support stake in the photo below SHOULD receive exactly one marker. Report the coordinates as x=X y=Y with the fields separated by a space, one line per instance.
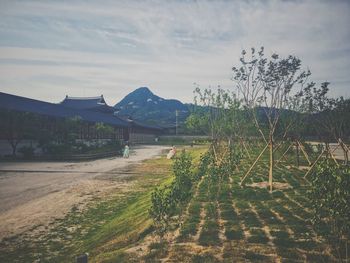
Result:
x=332 y=155
x=222 y=156
x=335 y=149
x=257 y=159
x=347 y=147
x=245 y=147
x=345 y=150
x=305 y=154
x=248 y=146
x=313 y=165
x=331 y=152
x=284 y=153
x=298 y=154
x=340 y=141
x=271 y=163
x=277 y=146
x=215 y=155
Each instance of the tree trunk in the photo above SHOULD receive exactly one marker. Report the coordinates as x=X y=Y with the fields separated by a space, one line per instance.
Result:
x=346 y=156
x=297 y=152
x=14 y=144
x=328 y=151
x=14 y=151
x=345 y=151
x=271 y=162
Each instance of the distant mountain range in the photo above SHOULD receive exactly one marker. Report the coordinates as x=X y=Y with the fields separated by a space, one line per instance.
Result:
x=143 y=105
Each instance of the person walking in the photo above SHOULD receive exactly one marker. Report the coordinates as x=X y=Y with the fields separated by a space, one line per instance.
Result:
x=126 y=151
x=171 y=153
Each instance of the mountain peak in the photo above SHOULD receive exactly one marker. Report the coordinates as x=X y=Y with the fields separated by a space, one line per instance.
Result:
x=142 y=104
x=144 y=90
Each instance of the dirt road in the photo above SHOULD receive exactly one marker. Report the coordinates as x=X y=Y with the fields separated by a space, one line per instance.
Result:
x=35 y=193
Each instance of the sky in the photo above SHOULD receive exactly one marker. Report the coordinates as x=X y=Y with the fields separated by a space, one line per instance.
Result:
x=49 y=49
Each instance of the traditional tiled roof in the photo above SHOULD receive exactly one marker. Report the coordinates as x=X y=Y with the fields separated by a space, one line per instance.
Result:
x=17 y=103
x=87 y=103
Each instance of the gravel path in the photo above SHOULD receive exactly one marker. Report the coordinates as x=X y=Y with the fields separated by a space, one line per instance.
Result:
x=36 y=193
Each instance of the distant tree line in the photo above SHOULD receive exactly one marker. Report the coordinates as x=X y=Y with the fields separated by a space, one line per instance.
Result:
x=272 y=101
x=53 y=135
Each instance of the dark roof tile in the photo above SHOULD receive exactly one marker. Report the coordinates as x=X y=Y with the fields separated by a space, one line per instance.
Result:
x=17 y=103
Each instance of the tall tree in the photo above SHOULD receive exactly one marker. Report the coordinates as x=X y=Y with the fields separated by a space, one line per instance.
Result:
x=269 y=86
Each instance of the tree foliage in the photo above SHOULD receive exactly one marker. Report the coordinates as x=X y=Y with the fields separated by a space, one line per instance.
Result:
x=330 y=198
x=167 y=199
x=271 y=85
x=182 y=184
x=17 y=126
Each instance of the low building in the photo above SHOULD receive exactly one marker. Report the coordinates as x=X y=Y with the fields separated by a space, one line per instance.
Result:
x=137 y=132
x=97 y=104
x=86 y=111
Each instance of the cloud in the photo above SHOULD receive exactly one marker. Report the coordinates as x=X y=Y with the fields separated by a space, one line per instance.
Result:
x=113 y=47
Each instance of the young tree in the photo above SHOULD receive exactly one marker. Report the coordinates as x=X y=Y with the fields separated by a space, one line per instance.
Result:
x=223 y=117
x=165 y=200
x=330 y=117
x=268 y=85
x=329 y=195
x=197 y=122
x=17 y=126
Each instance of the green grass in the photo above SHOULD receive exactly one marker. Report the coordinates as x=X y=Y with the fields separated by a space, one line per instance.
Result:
x=250 y=219
x=210 y=231
x=105 y=229
x=205 y=258
x=255 y=257
x=111 y=226
x=280 y=211
x=234 y=232
x=258 y=236
x=102 y=222
x=210 y=234
x=190 y=225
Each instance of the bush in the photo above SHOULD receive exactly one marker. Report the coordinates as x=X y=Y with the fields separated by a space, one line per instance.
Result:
x=163 y=206
x=182 y=184
x=227 y=166
x=330 y=195
x=167 y=199
x=58 y=149
x=205 y=160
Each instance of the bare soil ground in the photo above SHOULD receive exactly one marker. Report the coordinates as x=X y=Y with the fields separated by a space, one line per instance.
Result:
x=36 y=193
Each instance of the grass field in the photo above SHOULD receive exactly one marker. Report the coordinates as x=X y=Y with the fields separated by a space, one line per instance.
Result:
x=105 y=229
x=108 y=224
x=228 y=223
x=223 y=222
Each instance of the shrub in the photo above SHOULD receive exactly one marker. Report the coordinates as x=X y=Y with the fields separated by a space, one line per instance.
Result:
x=163 y=206
x=182 y=183
x=167 y=199
x=330 y=195
x=58 y=149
